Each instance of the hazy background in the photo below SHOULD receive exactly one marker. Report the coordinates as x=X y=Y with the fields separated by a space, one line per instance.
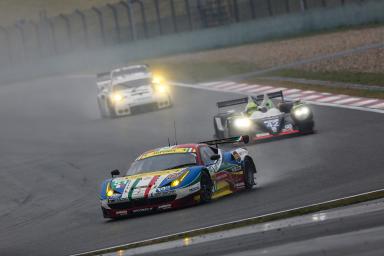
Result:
x=12 y=11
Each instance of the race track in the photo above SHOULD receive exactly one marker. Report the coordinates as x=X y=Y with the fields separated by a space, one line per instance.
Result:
x=55 y=151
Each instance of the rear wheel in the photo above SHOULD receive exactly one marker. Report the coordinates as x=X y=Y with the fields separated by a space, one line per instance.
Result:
x=249 y=173
x=111 y=110
x=306 y=127
x=206 y=187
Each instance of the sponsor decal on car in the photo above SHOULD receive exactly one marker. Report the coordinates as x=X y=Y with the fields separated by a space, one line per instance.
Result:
x=119 y=183
x=165 y=206
x=262 y=134
x=221 y=176
x=239 y=185
x=194 y=189
x=236 y=156
x=125 y=212
x=273 y=124
x=143 y=210
x=162 y=189
x=166 y=151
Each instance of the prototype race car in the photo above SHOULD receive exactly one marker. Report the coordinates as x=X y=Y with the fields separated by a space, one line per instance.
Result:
x=261 y=119
x=131 y=89
x=178 y=176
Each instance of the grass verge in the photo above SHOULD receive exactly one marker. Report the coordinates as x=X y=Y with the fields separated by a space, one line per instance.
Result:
x=198 y=72
x=335 y=76
x=319 y=88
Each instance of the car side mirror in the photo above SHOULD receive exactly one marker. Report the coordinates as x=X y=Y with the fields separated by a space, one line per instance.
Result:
x=115 y=173
x=215 y=157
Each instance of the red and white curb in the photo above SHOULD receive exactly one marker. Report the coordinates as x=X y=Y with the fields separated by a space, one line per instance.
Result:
x=312 y=97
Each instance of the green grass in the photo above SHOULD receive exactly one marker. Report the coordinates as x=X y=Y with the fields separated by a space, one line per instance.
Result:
x=336 y=76
x=320 y=88
x=196 y=72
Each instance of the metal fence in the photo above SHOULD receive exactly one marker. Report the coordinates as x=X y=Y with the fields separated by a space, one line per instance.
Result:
x=133 y=20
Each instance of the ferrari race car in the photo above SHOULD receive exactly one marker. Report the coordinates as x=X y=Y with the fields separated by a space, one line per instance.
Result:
x=262 y=119
x=178 y=176
x=131 y=89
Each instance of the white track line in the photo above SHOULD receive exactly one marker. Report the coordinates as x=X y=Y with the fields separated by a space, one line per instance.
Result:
x=249 y=87
x=344 y=101
x=292 y=91
x=311 y=97
x=237 y=87
x=261 y=89
x=275 y=89
x=331 y=98
x=362 y=103
x=182 y=234
x=380 y=105
x=224 y=84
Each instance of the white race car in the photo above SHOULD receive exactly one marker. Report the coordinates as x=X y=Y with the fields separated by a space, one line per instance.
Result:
x=129 y=90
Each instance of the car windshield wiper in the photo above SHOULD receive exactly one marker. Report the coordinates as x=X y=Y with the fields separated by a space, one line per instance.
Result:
x=181 y=165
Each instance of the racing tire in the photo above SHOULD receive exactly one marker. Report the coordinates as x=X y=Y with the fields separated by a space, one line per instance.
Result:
x=306 y=127
x=206 y=187
x=111 y=110
x=249 y=173
x=103 y=113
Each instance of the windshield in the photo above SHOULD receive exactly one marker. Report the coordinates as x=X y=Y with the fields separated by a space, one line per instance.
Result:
x=131 y=84
x=130 y=71
x=162 y=162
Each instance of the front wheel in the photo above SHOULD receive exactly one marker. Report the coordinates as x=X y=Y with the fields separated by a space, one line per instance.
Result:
x=206 y=187
x=249 y=173
x=103 y=113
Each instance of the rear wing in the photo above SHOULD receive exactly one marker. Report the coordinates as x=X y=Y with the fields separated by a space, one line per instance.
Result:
x=238 y=139
x=272 y=95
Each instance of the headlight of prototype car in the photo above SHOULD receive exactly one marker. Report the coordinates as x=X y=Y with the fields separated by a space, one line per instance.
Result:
x=242 y=122
x=302 y=113
x=116 y=97
x=177 y=181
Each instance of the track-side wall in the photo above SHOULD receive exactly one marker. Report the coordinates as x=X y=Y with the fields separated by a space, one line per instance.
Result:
x=209 y=38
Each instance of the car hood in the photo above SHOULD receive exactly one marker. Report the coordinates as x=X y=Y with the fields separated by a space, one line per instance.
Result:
x=139 y=91
x=142 y=184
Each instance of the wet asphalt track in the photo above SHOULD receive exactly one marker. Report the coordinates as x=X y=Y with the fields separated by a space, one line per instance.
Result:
x=55 y=151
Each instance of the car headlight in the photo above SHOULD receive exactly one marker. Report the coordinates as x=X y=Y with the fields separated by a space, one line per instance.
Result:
x=109 y=191
x=242 y=122
x=302 y=112
x=116 y=97
x=177 y=181
x=157 y=79
x=161 y=88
